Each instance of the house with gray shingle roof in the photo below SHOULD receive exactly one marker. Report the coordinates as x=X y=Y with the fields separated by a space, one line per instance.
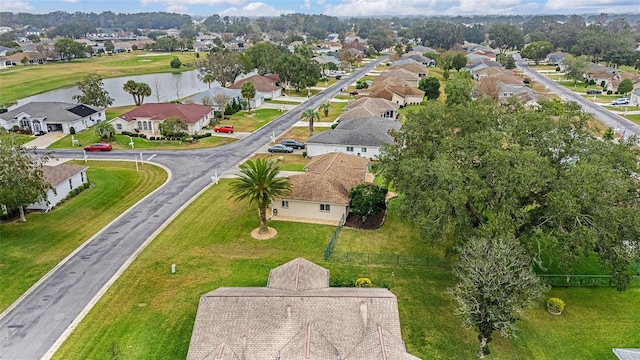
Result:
x=52 y=116
x=359 y=136
x=627 y=354
x=321 y=193
x=298 y=316
x=211 y=94
x=63 y=178
x=366 y=107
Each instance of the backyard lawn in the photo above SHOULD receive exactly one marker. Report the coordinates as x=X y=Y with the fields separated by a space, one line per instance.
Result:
x=149 y=312
x=31 y=249
x=22 y=81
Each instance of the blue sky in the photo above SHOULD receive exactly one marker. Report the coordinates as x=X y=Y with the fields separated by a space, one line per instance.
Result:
x=329 y=7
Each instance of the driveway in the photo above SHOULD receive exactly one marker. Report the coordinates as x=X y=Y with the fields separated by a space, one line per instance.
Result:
x=37 y=324
x=43 y=141
x=605 y=116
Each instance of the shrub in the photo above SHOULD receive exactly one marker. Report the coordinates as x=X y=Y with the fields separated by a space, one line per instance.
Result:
x=304 y=154
x=363 y=283
x=338 y=77
x=86 y=185
x=592 y=82
x=555 y=305
x=603 y=83
x=609 y=92
x=152 y=137
x=142 y=136
x=176 y=63
x=72 y=130
x=557 y=68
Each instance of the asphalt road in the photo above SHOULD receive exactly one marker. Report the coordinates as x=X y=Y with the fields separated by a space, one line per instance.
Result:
x=38 y=322
x=603 y=115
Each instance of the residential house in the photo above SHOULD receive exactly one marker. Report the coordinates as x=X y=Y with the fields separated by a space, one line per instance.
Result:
x=63 y=178
x=298 y=316
x=634 y=98
x=332 y=37
x=146 y=118
x=401 y=74
x=557 y=57
x=321 y=194
x=601 y=75
x=392 y=89
x=528 y=97
x=370 y=107
x=33 y=58
x=216 y=91
x=622 y=75
x=324 y=59
x=418 y=57
x=266 y=88
x=6 y=50
x=416 y=68
x=471 y=47
x=355 y=136
x=43 y=117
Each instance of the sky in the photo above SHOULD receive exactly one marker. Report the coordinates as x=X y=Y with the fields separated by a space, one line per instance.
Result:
x=346 y=8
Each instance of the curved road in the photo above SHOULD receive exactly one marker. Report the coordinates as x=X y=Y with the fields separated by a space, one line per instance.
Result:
x=603 y=115
x=37 y=323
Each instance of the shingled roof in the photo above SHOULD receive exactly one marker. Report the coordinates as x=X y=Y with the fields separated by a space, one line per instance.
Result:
x=51 y=111
x=190 y=113
x=261 y=83
x=367 y=107
x=372 y=131
x=316 y=323
x=56 y=175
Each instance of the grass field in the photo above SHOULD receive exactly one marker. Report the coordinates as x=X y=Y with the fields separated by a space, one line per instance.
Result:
x=22 y=81
x=149 y=312
x=31 y=249
x=287 y=162
x=250 y=121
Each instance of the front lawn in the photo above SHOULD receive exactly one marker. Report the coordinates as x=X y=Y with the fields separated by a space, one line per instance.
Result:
x=287 y=162
x=31 y=249
x=250 y=121
x=149 y=312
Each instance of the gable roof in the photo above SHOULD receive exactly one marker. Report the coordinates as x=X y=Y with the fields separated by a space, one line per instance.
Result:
x=213 y=92
x=414 y=67
x=56 y=175
x=373 y=131
x=290 y=324
x=402 y=74
x=298 y=274
x=261 y=83
x=376 y=105
x=190 y=113
x=51 y=111
x=328 y=178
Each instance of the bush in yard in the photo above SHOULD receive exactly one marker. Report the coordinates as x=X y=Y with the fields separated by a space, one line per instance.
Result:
x=152 y=138
x=555 y=306
x=557 y=68
x=363 y=283
x=176 y=63
x=72 y=130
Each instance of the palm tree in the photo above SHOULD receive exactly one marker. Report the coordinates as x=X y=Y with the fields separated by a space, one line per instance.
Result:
x=259 y=182
x=248 y=92
x=208 y=78
x=311 y=115
x=138 y=90
x=105 y=130
x=324 y=107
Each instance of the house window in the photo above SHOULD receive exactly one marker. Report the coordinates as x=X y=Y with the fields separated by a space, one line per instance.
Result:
x=145 y=125
x=285 y=204
x=70 y=185
x=364 y=150
x=119 y=126
x=139 y=125
x=349 y=148
x=325 y=207
x=82 y=176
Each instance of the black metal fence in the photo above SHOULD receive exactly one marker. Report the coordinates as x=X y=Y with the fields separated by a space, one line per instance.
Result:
x=584 y=280
x=334 y=238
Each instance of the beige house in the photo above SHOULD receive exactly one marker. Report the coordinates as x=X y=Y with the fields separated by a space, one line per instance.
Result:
x=146 y=118
x=321 y=194
x=411 y=78
x=298 y=316
x=395 y=90
x=416 y=68
x=370 y=107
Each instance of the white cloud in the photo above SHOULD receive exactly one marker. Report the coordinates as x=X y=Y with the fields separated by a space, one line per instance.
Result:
x=254 y=10
x=178 y=9
x=321 y=2
x=469 y=7
x=193 y=2
x=16 y=6
x=306 y=5
x=72 y=1
x=592 y=6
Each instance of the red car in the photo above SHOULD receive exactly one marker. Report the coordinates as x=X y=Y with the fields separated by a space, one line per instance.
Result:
x=98 y=147
x=224 y=129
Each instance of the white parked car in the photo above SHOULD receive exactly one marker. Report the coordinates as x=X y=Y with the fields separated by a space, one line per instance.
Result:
x=621 y=101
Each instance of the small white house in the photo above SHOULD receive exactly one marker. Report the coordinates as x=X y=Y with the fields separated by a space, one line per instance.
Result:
x=52 y=116
x=63 y=178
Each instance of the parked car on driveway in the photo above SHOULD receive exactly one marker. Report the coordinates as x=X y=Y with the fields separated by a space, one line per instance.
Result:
x=594 y=92
x=102 y=146
x=293 y=144
x=279 y=148
x=224 y=129
x=621 y=101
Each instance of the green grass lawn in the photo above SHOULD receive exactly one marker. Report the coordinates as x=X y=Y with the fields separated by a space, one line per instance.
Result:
x=116 y=111
x=149 y=312
x=31 y=249
x=121 y=142
x=283 y=102
x=287 y=162
x=22 y=81
x=250 y=121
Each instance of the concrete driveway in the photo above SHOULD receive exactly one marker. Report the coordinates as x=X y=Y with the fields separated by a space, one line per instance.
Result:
x=39 y=322
x=43 y=141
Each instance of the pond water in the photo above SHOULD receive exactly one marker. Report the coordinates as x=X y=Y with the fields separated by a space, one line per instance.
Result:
x=164 y=87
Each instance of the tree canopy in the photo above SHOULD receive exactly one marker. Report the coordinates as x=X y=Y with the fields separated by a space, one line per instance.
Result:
x=224 y=66
x=431 y=87
x=20 y=175
x=506 y=36
x=138 y=90
x=248 y=92
x=367 y=199
x=173 y=126
x=483 y=168
x=537 y=50
x=105 y=130
x=92 y=91
x=69 y=48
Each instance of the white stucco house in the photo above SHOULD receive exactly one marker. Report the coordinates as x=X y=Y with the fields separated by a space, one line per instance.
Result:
x=146 y=118
x=361 y=136
x=321 y=194
x=266 y=88
x=52 y=116
x=63 y=178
